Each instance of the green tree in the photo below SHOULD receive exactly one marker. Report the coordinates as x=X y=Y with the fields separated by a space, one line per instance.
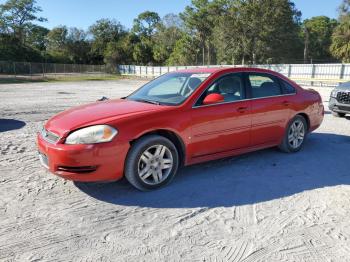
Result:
x=319 y=30
x=119 y=52
x=17 y=16
x=255 y=31
x=199 y=20
x=57 y=40
x=169 y=31
x=145 y=27
x=105 y=31
x=143 y=52
x=77 y=46
x=12 y=50
x=186 y=51
x=344 y=9
x=37 y=37
x=146 y=24
x=340 y=47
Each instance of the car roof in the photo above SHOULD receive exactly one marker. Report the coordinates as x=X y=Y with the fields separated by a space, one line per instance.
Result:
x=221 y=69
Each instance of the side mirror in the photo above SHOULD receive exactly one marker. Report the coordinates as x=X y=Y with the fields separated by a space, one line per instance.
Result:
x=213 y=99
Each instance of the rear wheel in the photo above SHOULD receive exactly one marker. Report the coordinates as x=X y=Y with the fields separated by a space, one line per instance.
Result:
x=152 y=162
x=336 y=114
x=295 y=135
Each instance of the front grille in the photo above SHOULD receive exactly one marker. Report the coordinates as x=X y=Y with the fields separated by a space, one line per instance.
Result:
x=49 y=136
x=77 y=169
x=343 y=97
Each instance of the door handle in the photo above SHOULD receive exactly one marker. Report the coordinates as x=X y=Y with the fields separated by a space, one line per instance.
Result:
x=242 y=109
x=286 y=103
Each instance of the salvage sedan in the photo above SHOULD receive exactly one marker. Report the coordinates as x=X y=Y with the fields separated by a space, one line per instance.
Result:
x=179 y=119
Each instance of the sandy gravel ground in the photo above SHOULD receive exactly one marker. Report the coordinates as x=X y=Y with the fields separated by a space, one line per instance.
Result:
x=263 y=206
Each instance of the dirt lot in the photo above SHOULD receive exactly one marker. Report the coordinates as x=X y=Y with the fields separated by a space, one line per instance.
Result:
x=263 y=206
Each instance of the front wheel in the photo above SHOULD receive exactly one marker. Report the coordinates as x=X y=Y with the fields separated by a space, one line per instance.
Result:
x=295 y=135
x=152 y=162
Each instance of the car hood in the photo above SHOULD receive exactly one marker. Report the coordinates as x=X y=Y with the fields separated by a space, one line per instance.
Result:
x=343 y=87
x=96 y=113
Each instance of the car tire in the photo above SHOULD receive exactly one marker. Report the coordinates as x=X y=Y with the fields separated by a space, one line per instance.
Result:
x=336 y=114
x=295 y=135
x=147 y=162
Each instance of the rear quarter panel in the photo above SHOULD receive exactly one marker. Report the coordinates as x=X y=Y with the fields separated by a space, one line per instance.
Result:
x=306 y=101
x=310 y=103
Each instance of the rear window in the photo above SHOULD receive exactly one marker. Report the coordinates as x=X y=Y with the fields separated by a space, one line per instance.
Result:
x=264 y=85
x=288 y=88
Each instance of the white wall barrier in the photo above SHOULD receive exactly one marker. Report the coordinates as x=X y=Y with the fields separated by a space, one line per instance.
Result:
x=316 y=74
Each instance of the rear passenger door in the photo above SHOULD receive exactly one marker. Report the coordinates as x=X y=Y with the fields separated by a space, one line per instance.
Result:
x=270 y=109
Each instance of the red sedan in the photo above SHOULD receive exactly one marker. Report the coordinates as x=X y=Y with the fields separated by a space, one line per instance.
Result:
x=179 y=119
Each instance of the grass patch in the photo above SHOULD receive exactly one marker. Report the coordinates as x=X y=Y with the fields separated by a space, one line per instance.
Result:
x=84 y=78
x=76 y=78
x=20 y=80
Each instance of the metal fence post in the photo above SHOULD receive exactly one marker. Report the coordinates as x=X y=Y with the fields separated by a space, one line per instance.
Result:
x=342 y=71
x=289 y=70
x=42 y=69
x=14 y=69
x=313 y=71
x=30 y=70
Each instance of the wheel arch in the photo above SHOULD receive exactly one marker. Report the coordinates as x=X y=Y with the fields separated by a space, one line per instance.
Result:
x=172 y=136
x=307 y=119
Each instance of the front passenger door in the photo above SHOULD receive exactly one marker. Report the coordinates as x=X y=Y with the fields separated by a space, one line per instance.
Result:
x=224 y=126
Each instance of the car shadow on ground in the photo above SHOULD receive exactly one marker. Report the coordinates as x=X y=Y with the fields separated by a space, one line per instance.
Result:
x=252 y=178
x=10 y=124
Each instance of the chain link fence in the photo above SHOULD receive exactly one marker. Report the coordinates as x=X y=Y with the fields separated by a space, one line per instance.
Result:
x=47 y=70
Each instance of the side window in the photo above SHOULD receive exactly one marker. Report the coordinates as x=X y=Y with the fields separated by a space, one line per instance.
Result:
x=231 y=87
x=264 y=86
x=287 y=88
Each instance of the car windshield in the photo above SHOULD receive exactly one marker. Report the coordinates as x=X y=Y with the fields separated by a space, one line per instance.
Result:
x=169 y=89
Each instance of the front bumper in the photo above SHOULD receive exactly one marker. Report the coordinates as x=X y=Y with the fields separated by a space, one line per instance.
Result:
x=86 y=163
x=335 y=106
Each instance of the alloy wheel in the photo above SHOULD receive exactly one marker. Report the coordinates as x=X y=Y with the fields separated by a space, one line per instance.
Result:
x=155 y=164
x=296 y=134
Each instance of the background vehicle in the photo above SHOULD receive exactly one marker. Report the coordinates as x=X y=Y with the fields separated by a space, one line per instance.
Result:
x=178 y=119
x=339 y=102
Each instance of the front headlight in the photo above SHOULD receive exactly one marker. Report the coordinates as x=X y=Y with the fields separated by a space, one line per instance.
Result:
x=92 y=135
x=334 y=93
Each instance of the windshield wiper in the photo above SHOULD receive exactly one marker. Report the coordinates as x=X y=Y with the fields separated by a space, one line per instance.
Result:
x=148 y=101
